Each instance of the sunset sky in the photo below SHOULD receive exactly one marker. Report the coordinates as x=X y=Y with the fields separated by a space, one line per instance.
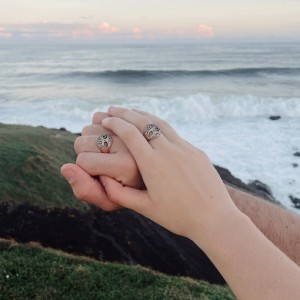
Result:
x=101 y=20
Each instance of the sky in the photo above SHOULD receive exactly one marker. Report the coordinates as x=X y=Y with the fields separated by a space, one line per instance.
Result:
x=28 y=21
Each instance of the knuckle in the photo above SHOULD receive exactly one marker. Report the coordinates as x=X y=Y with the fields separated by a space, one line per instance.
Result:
x=108 y=207
x=114 y=196
x=96 y=118
x=77 y=144
x=82 y=194
x=80 y=160
x=123 y=112
x=111 y=121
x=86 y=130
x=163 y=124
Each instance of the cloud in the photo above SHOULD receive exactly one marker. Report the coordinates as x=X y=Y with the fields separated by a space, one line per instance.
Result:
x=137 y=33
x=83 y=33
x=107 y=28
x=50 y=30
x=205 y=30
x=137 y=30
x=4 y=33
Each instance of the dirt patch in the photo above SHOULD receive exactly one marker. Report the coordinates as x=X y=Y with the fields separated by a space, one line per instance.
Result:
x=121 y=236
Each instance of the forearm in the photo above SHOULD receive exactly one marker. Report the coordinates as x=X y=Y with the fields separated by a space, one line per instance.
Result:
x=279 y=225
x=251 y=265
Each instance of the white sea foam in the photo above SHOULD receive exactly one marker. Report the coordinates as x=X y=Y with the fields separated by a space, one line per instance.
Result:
x=202 y=107
x=219 y=97
x=253 y=148
x=234 y=130
x=72 y=113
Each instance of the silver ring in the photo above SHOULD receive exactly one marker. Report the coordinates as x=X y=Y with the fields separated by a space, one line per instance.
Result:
x=151 y=132
x=104 y=142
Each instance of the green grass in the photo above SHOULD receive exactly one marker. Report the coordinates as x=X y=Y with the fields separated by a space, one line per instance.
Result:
x=31 y=272
x=30 y=161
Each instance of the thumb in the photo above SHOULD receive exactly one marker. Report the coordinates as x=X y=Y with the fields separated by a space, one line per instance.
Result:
x=86 y=188
x=128 y=197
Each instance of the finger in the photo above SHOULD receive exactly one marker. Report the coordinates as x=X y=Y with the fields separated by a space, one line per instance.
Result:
x=132 y=117
x=131 y=198
x=87 y=188
x=137 y=120
x=94 y=129
x=87 y=143
x=132 y=138
x=167 y=129
x=98 y=117
x=102 y=164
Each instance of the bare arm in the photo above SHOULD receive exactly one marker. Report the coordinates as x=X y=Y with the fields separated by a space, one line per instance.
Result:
x=280 y=226
x=251 y=265
x=277 y=224
x=200 y=208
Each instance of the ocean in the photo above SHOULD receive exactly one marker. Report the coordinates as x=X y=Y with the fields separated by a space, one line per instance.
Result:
x=219 y=96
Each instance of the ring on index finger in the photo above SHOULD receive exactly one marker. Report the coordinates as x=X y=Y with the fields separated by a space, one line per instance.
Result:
x=151 y=132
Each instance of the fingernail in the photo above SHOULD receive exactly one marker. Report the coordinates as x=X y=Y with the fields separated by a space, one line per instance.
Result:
x=69 y=175
x=111 y=108
x=104 y=121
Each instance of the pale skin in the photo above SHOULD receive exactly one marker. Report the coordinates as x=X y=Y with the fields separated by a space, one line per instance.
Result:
x=197 y=206
x=279 y=225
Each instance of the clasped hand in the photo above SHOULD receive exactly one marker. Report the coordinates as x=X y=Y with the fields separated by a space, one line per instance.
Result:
x=166 y=179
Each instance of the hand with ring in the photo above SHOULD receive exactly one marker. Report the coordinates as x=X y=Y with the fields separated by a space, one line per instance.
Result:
x=181 y=183
x=94 y=161
x=114 y=160
x=183 y=193
x=118 y=164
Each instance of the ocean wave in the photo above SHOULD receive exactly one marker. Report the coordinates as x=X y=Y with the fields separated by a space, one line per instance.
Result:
x=202 y=107
x=160 y=74
x=73 y=113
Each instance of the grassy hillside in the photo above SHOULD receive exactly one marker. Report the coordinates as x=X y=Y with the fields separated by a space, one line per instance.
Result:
x=31 y=272
x=30 y=160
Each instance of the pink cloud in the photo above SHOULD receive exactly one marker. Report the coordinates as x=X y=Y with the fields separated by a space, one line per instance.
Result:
x=206 y=30
x=137 y=30
x=4 y=33
x=107 y=28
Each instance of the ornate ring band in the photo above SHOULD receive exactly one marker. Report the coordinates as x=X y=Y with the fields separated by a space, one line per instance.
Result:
x=104 y=142
x=151 y=132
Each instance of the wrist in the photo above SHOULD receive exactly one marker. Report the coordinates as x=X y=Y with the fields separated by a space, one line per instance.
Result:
x=218 y=227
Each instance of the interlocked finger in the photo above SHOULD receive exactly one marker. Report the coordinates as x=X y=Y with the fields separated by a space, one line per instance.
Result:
x=95 y=129
x=168 y=131
x=98 y=117
x=145 y=125
x=87 y=143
